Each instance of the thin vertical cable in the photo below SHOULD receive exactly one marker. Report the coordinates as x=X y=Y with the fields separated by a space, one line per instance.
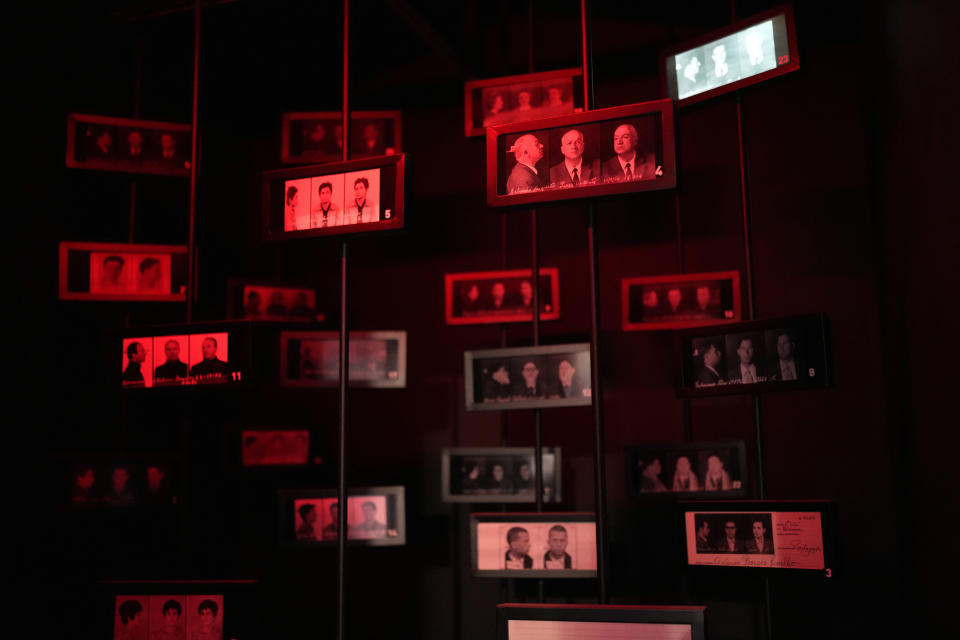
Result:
x=344 y=366
x=191 y=238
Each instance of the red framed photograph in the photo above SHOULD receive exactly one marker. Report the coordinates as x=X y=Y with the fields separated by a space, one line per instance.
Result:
x=128 y=272
x=485 y=297
x=680 y=301
x=317 y=136
x=265 y=301
x=128 y=145
x=521 y=98
x=604 y=152
x=358 y=196
x=749 y=51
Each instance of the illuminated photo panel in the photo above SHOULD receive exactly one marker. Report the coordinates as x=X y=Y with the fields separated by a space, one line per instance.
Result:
x=358 y=196
x=521 y=98
x=533 y=545
x=751 y=51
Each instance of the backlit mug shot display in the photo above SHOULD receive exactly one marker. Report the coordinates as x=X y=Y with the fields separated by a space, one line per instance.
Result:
x=521 y=98
x=274 y=447
x=752 y=50
x=780 y=354
x=375 y=517
x=484 y=297
x=127 y=145
x=176 y=360
x=680 y=301
x=714 y=470
x=128 y=272
x=597 y=153
x=528 y=377
x=378 y=359
x=759 y=535
x=317 y=136
x=345 y=197
x=498 y=474
x=534 y=545
x=151 y=617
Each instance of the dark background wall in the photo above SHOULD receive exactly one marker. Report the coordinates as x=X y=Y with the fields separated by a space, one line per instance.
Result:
x=849 y=161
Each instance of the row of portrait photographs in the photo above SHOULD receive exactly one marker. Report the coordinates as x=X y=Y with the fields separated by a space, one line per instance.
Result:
x=519 y=378
x=734 y=533
x=274 y=447
x=520 y=102
x=500 y=297
x=740 y=55
x=123 y=273
x=712 y=470
x=686 y=301
x=131 y=148
x=317 y=359
x=316 y=519
x=279 y=303
x=332 y=200
x=120 y=484
x=158 y=360
x=168 y=617
x=752 y=357
x=316 y=138
x=502 y=475
x=536 y=545
x=623 y=150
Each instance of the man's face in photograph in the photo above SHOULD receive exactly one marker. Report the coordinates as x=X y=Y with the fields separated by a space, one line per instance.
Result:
x=497 y=472
x=325 y=195
x=521 y=543
x=140 y=354
x=154 y=478
x=167 y=144
x=712 y=356
x=571 y=145
x=85 y=479
x=704 y=531
x=565 y=370
x=683 y=464
x=526 y=291
x=152 y=275
x=172 y=350
x=784 y=346
x=703 y=297
x=112 y=270
x=209 y=348
x=530 y=373
x=171 y=618
x=759 y=530
x=745 y=351
x=554 y=96
x=557 y=542
x=730 y=528
x=474 y=293
x=206 y=618
x=369 y=513
x=498 y=291
x=359 y=192
x=525 y=473
x=650 y=299
x=624 y=140
x=523 y=100
x=119 y=478
x=675 y=297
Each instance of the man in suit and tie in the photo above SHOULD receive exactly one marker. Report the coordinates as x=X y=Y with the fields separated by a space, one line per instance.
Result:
x=572 y=171
x=629 y=163
x=703 y=536
x=731 y=543
x=708 y=374
x=747 y=370
x=524 y=176
x=759 y=543
x=786 y=367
